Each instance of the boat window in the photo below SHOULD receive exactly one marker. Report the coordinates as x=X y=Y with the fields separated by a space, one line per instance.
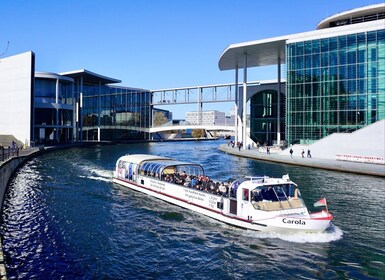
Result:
x=274 y=192
x=280 y=192
x=256 y=195
x=245 y=194
x=160 y=169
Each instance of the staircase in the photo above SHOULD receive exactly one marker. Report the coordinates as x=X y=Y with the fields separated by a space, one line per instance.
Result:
x=6 y=141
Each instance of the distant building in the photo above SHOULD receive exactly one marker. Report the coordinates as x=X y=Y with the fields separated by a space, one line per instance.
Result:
x=208 y=118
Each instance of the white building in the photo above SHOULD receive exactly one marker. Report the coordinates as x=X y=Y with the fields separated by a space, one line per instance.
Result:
x=207 y=118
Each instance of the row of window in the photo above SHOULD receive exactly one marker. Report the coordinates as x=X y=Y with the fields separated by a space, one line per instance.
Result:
x=356 y=71
x=46 y=88
x=343 y=43
x=334 y=84
x=334 y=88
x=371 y=56
x=49 y=117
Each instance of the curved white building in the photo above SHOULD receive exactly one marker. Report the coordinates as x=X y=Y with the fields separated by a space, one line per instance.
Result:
x=335 y=76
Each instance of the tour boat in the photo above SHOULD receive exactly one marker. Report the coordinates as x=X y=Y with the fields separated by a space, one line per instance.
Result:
x=255 y=203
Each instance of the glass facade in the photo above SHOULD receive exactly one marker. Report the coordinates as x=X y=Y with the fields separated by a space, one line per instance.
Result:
x=264 y=115
x=334 y=84
x=53 y=119
x=121 y=113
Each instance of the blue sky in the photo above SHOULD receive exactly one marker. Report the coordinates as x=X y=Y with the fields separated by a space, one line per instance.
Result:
x=153 y=44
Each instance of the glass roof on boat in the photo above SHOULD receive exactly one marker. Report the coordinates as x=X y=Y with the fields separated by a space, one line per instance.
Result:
x=170 y=166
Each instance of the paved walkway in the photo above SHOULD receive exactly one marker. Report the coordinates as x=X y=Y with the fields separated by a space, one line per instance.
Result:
x=329 y=164
x=24 y=152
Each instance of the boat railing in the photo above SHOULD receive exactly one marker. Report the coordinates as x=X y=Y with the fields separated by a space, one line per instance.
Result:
x=257 y=179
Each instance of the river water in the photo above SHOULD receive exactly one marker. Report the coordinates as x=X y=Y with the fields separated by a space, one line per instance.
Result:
x=63 y=218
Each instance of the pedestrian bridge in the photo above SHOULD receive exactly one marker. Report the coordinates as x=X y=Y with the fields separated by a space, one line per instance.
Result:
x=191 y=126
x=163 y=128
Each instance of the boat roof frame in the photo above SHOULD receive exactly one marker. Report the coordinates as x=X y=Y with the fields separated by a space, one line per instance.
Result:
x=159 y=161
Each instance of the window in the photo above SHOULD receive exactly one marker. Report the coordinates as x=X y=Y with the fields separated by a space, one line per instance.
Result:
x=245 y=194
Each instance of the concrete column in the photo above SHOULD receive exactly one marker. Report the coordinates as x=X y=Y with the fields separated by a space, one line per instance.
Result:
x=99 y=92
x=150 y=117
x=236 y=105
x=244 y=102
x=74 y=121
x=199 y=106
x=57 y=111
x=279 y=103
x=81 y=109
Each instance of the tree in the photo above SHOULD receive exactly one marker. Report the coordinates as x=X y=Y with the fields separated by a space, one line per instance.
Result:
x=159 y=119
x=198 y=133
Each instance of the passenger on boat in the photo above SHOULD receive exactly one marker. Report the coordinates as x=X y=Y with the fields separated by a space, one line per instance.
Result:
x=257 y=196
x=213 y=188
x=194 y=182
x=233 y=189
x=178 y=179
x=187 y=182
x=222 y=189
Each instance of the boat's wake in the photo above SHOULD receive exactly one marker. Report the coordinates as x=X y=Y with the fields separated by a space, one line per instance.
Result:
x=333 y=233
x=94 y=173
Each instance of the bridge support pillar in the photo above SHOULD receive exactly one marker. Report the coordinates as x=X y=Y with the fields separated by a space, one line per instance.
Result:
x=279 y=103
x=244 y=117
x=236 y=121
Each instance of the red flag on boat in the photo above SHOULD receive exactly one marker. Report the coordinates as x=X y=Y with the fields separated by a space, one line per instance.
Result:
x=321 y=202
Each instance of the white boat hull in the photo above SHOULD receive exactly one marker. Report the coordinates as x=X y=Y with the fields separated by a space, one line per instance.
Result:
x=297 y=220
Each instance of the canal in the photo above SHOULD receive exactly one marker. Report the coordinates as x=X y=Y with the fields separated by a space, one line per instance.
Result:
x=63 y=218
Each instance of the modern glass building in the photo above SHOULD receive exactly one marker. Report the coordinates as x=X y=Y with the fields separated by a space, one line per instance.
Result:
x=84 y=106
x=335 y=84
x=119 y=113
x=264 y=116
x=106 y=112
x=53 y=115
x=335 y=77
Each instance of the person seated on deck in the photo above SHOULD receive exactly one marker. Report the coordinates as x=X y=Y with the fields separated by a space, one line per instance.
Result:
x=167 y=178
x=194 y=182
x=213 y=187
x=222 y=189
x=257 y=196
x=206 y=185
x=178 y=180
x=187 y=182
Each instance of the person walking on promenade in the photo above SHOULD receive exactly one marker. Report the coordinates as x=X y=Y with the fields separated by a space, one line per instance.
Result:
x=268 y=150
x=240 y=145
x=303 y=153
x=308 y=153
x=291 y=152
